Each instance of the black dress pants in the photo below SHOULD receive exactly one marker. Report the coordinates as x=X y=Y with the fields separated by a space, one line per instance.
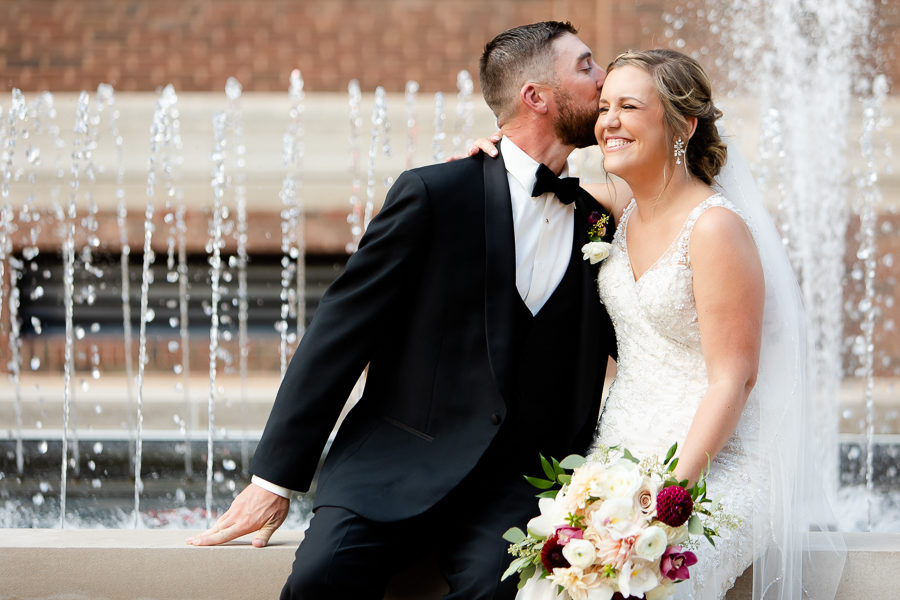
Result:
x=345 y=556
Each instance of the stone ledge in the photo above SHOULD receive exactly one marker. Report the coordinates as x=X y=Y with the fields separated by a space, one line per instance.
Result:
x=100 y=564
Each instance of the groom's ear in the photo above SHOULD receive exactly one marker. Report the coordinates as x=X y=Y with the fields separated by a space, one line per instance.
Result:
x=534 y=96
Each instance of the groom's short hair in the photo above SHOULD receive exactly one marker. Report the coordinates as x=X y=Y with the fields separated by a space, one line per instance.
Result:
x=518 y=55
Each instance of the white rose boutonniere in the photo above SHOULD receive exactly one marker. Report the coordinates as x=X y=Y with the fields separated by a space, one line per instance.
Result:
x=596 y=250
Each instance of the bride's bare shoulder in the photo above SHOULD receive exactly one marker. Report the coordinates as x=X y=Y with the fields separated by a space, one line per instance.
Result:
x=613 y=194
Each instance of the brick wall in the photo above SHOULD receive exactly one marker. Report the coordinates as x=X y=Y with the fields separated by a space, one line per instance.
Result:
x=66 y=45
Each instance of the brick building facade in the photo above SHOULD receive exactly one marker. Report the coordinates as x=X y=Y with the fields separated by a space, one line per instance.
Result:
x=138 y=45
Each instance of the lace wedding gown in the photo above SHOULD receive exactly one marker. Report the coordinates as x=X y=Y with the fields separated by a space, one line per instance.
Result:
x=660 y=381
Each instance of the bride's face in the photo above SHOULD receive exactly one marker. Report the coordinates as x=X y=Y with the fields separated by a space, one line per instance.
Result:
x=630 y=129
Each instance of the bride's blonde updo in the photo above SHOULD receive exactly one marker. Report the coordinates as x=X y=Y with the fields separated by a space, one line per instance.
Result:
x=685 y=91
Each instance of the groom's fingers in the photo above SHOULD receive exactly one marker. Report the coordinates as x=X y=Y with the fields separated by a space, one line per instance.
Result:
x=254 y=509
x=278 y=515
x=223 y=530
x=262 y=536
x=215 y=536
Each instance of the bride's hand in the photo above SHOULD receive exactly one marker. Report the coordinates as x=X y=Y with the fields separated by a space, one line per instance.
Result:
x=487 y=145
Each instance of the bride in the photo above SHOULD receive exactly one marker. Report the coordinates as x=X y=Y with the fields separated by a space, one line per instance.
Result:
x=709 y=325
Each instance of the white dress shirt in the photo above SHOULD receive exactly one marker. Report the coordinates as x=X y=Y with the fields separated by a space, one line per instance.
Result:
x=543 y=236
x=542 y=228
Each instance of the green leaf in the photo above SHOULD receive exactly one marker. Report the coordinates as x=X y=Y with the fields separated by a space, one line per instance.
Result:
x=698 y=490
x=514 y=535
x=514 y=567
x=670 y=453
x=541 y=484
x=564 y=479
x=709 y=533
x=672 y=465
x=526 y=574
x=547 y=494
x=548 y=468
x=573 y=461
x=628 y=456
x=694 y=525
x=557 y=468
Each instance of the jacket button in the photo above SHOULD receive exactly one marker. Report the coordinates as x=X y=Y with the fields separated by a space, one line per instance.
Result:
x=495 y=419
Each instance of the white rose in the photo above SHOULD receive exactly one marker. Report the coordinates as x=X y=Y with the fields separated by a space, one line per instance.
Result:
x=615 y=516
x=651 y=543
x=580 y=553
x=595 y=251
x=674 y=535
x=623 y=480
x=552 y=516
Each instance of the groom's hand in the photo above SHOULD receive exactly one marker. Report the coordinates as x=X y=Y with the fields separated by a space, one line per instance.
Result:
x=254 y=509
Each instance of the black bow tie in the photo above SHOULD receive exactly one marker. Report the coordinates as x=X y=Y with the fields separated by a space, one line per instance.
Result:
x=565 y=188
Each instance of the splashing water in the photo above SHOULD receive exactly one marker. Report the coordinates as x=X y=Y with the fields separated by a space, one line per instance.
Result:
x=214 y=249
x=355 y=218
x=806 y=64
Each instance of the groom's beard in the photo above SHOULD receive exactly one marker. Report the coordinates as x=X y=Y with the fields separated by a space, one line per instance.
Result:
x=574 y=125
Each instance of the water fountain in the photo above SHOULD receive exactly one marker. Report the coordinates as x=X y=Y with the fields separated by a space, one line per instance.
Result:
x=821 y=182
x=34 y=229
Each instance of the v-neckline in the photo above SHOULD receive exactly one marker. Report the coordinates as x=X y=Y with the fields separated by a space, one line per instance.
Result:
x=627 y=219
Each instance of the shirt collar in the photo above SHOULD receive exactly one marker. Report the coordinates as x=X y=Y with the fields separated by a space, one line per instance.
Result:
x=521 y=166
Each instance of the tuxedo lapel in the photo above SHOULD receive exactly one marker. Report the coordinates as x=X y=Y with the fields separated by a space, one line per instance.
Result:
x=596 y=334
x=500 y=276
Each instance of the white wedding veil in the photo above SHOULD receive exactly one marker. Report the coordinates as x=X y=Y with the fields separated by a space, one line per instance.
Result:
x=788 y=564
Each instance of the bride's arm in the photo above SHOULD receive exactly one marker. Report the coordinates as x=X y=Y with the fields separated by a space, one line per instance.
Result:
x=613 y=194
x=729 y=291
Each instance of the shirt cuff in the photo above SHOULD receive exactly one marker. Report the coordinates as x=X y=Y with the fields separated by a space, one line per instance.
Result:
x=271 y=487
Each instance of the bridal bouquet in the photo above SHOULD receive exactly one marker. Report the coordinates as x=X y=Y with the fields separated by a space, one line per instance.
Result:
x=618 y=524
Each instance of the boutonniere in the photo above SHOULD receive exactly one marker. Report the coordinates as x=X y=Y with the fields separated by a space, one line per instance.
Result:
x=596 y=250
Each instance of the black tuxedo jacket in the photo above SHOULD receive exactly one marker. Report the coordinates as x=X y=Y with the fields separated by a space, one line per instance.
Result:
x=427 y=303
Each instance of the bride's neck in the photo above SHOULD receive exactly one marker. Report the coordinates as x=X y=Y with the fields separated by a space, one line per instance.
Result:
x=656 y=196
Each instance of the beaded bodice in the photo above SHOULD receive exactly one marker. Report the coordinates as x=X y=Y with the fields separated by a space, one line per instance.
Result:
x=660 y=357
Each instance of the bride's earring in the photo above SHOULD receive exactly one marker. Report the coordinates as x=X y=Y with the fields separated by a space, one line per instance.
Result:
x=679 y=150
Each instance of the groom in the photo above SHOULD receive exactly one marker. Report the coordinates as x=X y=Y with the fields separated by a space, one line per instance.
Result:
x=485 y=340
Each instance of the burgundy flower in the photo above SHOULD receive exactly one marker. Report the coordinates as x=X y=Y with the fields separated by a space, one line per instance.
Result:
x=551 y=554
x=674 y=563
x=674 y=506
x=593 y=217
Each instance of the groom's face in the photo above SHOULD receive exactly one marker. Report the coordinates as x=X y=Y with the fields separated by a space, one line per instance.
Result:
x=576 y=94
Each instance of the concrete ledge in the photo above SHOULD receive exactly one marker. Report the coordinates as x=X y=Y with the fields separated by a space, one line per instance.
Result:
x=115 y=563
x=101 y=564
x=107 y=564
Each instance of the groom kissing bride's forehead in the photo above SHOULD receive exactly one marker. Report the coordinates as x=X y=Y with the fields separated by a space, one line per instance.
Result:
x=569 y=73
x=470 y=303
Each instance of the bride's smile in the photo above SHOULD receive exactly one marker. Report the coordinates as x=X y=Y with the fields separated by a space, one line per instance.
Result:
x=629 y=129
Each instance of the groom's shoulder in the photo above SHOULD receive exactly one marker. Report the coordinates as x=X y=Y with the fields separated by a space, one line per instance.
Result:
x=455 y=172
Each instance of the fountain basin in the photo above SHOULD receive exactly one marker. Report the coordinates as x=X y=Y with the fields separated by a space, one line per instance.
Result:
x=156 y=564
